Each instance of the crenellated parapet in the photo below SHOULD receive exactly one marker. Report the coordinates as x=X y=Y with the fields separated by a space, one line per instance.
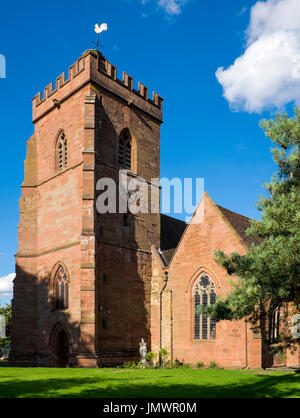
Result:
x=93 y=67
x=61 y=82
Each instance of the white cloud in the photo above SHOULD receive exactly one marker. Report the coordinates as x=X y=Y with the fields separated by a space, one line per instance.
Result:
x=6 y=285
x=267 y=75
x=171 y=7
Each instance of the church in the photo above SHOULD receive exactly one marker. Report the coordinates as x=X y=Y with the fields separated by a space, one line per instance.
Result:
x=89 y=286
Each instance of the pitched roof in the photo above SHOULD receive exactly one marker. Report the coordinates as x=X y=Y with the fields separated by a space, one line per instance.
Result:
x=171 y=231
x=240 y=223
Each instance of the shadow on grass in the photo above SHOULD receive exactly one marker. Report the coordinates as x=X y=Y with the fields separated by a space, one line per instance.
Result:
x=104 y=386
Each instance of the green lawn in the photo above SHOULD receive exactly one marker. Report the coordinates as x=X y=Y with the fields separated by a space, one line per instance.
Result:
x=109 y=383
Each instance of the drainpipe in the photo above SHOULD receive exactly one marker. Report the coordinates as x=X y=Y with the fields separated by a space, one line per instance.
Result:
x=160 y=310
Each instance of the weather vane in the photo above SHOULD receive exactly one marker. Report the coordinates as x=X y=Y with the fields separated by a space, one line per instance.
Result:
x=98 y=30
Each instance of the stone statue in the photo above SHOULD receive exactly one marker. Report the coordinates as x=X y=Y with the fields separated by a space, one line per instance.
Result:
x=143 y=351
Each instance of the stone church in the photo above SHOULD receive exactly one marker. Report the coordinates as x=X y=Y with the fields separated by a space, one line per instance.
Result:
x=89 y=286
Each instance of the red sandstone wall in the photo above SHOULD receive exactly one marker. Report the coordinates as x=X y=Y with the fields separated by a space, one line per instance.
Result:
x=60 y=194
x=195 y=255
x=53 y=217
x=124 y=252
x=58 y=221
x=157 y=284
x=47 y=315
x=50 y=231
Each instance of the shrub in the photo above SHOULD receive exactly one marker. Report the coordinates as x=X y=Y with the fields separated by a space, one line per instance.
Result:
x=169 y=365
x=213 y=365
x=163 y=355
x=151 y=357
x=200 y=365
x=185 y=366
x=131 y=365
x=177 y=365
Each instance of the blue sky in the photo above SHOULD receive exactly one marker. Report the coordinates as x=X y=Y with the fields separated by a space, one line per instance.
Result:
x=174 y=47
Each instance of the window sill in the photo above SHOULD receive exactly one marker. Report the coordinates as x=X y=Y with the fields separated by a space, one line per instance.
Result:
x=129 y=172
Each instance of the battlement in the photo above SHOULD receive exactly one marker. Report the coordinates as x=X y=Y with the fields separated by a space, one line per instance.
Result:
x=92 y=66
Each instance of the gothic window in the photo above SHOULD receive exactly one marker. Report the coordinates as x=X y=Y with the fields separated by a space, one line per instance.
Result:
x=125 y=148
x=61 y=289
x=204 y=294
x=61 y=152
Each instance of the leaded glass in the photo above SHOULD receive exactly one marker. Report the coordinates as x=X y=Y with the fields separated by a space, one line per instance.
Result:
x=197 y=318
x=204 y=294
x=61 y=289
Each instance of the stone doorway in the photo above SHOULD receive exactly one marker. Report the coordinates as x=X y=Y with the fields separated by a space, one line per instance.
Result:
x=59 y=347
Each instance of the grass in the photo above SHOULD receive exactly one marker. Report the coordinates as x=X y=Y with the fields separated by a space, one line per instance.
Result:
x=119 y=383
x=107 y=383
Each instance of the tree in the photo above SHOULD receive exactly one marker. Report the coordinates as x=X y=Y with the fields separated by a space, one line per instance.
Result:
x=268 y=275
x=5 y=342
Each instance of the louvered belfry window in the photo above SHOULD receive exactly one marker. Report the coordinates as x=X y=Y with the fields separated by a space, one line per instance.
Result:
x=274 y=325
x=204 y=294
x=61 y=152
x=61 y=289
x=125 y=148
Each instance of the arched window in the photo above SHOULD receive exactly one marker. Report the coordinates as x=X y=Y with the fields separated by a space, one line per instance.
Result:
x=125 y=146
x=204 y=294
x=61 y=288
x=274 y=325
x=61 y=152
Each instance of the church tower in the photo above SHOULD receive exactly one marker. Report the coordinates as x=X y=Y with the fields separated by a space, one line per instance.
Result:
x=83 y=278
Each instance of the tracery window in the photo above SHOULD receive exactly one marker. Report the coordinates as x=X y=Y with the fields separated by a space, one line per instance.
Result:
x=61 y=289
x=125 y=150
x=204 y=294
x=61 y=152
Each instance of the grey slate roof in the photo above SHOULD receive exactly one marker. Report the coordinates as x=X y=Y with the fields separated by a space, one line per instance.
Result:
x=172 y=230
